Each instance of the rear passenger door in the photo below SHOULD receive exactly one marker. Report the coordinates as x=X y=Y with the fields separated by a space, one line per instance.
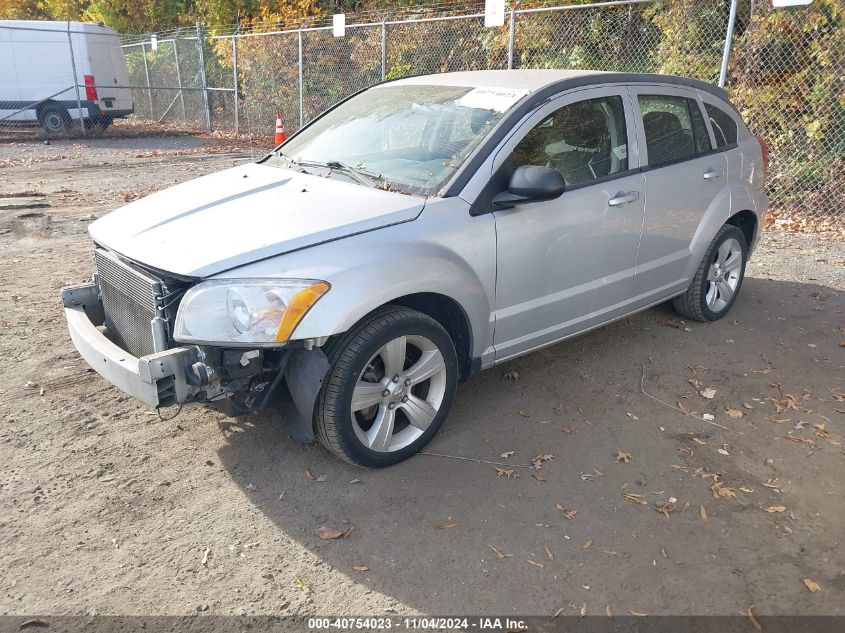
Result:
x=684 y=176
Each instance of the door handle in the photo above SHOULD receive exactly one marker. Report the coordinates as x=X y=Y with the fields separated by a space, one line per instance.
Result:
x=713 y=173
x=623 y=197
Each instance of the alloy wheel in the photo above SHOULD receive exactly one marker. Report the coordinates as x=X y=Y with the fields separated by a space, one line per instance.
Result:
x=398 y=393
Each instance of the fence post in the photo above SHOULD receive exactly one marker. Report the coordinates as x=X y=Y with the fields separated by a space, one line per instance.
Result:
x=512 y=34
x=179 y=78
x=75 y=81
x=201 y=55
x=301 y=103
x=383 y=49
x=147 y=75
x=235 y=79
x=729 y=36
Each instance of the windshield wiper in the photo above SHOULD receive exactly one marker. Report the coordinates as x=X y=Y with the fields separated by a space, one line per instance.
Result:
x=362 y=175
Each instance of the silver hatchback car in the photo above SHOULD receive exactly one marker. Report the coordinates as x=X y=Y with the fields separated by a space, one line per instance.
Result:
x=416 y=233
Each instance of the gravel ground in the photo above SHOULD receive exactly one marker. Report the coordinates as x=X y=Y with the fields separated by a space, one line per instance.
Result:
x=105 y=508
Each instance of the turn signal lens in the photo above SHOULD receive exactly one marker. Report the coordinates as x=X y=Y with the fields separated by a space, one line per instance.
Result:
x=298 y=307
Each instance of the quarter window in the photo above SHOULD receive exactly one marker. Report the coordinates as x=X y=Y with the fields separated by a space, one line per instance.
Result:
x=724 y=126
x=674 y=129
x=584 y=141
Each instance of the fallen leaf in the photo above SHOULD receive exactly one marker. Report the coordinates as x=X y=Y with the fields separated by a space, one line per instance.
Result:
x=632 y=416
x=702 y=513
x=539 y=478
x=251 y=487
x=322 y=477
x=498 y=553
x=609 y=612
x=664 y=552
x=206 y=555
x=267 y=575
x=638 y=614
x=570 y=514
x=775 y=509
x=745 y=405
x=583 y=610
x=734 y=413
x=665 y=509
x=507 y=473
x=447 y=525
x=535 y=563
x=567 y=429
x=549 y=554
x=506 y=454
x=708 y=393
x=745 y=489
x=723 y=451
x=559 y=507
x=720 y=490
x=299 y=584
x=525 y=414
x=539 y=459
x=558 y=612
x=635 y=498
x=812 y=585
x=698 y=440
x=355 y=481
x=708 y=416
x=309 y=473
x=360 y=568
x=327 y=533
x=622 y=457
x=754 y=622
x=512 y=375
x=587 y=544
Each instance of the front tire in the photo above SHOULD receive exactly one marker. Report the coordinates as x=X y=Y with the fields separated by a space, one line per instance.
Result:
x=390 y=385
x=718 y=279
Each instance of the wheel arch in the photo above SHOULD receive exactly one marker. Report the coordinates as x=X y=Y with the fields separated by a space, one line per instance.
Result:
x=745 y=221
x=448 y=313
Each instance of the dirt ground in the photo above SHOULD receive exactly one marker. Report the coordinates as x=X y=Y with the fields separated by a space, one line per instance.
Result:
x=105 y=508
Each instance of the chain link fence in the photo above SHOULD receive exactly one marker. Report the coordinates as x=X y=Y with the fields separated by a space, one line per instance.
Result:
x=786 y=72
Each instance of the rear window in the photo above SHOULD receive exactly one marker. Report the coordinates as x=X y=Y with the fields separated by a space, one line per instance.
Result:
x=724 y=126
x=674 y=129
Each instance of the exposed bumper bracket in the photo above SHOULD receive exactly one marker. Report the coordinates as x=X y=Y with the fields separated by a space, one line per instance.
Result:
x=157 y=379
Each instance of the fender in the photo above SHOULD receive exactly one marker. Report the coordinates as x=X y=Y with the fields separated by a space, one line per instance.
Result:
x=431 y=254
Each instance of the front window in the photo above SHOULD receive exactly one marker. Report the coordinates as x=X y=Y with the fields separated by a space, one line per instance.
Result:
x=584 y=141
x=407 y=138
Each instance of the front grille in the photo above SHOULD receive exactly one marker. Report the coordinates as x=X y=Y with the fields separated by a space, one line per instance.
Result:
x=129 y=301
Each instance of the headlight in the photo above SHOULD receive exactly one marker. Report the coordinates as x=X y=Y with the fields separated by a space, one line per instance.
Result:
x=245 y=312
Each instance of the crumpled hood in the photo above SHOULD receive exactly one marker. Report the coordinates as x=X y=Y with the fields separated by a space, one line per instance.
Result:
x=237 y=216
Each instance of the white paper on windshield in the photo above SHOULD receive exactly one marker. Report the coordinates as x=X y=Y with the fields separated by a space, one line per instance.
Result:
x=488 y=98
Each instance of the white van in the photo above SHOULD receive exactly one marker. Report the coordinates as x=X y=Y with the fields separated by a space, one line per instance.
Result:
x=37 y=81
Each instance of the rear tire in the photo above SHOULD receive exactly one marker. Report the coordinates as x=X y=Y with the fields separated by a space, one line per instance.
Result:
x=390 y=385
x=55 y=120
x=717 y=282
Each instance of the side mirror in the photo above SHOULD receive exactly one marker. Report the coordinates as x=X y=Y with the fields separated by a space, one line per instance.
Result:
x=531 y=183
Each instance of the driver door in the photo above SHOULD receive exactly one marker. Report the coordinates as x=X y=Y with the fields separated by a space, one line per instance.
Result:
x=567 y=264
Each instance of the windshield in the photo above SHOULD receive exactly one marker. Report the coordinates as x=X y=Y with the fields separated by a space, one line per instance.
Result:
x=402 y=138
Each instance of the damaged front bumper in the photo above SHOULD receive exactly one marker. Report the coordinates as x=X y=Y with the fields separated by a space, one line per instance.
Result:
x=233 y=381
x=158 y=380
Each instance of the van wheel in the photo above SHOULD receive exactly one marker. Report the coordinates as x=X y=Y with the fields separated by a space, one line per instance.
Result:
x=55 y=120
x=389 y=387
x=718 y=279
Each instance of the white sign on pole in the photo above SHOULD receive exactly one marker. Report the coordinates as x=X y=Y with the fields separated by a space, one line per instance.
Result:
x=339 y=24
x=494 y=12
x=777 y=4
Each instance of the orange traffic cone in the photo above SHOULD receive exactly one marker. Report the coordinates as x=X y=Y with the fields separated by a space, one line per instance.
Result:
x=280 y=130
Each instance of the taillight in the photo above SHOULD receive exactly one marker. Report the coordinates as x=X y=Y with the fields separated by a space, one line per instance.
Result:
x=90 y=88
x=765 y=149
